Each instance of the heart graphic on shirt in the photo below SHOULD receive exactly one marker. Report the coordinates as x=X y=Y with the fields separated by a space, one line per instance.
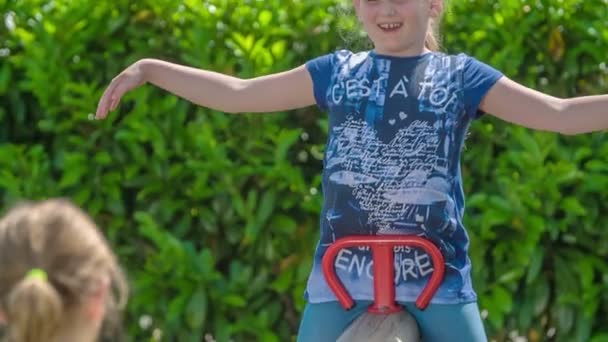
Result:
x=392 y=121
x=403 y=116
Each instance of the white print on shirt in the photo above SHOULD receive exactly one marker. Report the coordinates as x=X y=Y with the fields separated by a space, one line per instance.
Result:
x=388 y=179
x=357 y=89
x=407 y=266
x=439 y=89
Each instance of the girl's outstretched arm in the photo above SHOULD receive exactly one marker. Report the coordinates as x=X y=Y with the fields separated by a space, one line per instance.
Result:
x=277 y=92
x=518 y=104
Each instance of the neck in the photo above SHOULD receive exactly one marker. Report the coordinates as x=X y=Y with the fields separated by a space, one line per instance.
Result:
x=409 y=51
x=77 y=330
x=75 y=336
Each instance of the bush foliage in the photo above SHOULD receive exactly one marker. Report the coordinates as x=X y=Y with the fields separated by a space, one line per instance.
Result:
x=215 y=216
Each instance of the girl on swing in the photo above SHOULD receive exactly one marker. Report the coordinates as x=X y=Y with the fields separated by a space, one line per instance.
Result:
x=398 y=115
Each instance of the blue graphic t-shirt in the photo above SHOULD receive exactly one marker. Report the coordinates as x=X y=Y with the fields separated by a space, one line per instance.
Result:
x=392 y=165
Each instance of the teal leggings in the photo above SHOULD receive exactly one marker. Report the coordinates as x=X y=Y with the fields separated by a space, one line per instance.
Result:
x=325 y=322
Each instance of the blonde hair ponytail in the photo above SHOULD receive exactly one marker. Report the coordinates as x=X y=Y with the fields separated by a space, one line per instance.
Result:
x=432 y=40
x=35 y=309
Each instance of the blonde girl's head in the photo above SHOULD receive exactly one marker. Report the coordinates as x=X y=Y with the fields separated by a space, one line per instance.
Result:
x=59 y=278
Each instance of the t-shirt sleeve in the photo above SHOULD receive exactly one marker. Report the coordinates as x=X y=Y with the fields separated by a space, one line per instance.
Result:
x=479 y=78
x=320 y=70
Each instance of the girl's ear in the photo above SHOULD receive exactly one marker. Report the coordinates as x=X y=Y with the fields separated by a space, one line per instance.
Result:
x=436 y=8
x=2 y=317
x=96 y=306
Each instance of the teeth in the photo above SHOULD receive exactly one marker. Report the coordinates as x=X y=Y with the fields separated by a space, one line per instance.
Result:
x=390 y=26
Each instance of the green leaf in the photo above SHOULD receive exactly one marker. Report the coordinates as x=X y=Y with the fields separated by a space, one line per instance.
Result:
x=283 y=223
x=196 y=311
x=283 y=281
x=536 y=263
x=278 y=49
x=270 y=337
x=5 y=77
x=244 y=42
x=266 y=207
x=265 y=18
x=234 y=300
x=510 y=276
x=565 y=318
x=284 y=141
x=502 y=298
x=573 y=206
x=600 y=338
x=176 y=309
x=540 y=296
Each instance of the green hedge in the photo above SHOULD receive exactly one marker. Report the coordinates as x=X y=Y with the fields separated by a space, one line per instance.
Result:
x=215 y=216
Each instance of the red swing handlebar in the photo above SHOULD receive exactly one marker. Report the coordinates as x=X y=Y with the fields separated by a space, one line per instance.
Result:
x=384 y=272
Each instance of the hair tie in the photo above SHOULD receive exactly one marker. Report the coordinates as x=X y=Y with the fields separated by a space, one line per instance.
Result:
x=37 y=273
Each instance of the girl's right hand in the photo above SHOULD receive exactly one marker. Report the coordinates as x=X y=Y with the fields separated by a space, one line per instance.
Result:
x=130 y=78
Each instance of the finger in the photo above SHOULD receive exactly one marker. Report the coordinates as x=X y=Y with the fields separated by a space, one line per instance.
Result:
x=102 y=107
x=100 y=113
x=105 y=100
x=116 y=96
x=111 y=95
x=114 y=104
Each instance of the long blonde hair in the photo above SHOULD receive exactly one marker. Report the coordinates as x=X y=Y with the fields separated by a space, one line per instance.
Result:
x=432 y=40
x=59 y=238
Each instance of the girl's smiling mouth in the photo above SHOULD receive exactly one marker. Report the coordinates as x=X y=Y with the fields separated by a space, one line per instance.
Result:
x=390 y=27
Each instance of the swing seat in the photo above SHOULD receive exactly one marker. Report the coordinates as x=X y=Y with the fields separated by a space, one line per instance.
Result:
x=385 y=320
x=395 y=327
